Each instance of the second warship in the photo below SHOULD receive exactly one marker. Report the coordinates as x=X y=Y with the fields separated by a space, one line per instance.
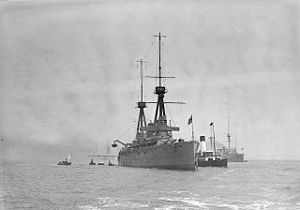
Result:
x=154 y=145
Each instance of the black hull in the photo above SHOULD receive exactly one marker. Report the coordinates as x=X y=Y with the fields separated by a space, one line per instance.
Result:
x=64 y=164
x=212 y=163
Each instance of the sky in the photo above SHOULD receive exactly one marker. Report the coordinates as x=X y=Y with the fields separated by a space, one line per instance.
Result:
x=69 y=80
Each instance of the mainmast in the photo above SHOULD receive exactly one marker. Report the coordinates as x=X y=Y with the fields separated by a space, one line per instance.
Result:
x=141 y=104
x=228 y=134
x=159 y=127
x=159 y=55
x=160 y=113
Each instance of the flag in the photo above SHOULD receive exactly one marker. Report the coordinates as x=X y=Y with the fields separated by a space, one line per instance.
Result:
x=190 y=120
x=211 y=124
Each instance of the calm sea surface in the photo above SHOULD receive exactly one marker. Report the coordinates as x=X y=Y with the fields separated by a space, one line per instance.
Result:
x=249 y=185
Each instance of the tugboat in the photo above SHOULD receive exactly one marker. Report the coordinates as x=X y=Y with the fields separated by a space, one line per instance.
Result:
x=154 y=145
x=210 y=158
x=92 y=163
x=65 y=162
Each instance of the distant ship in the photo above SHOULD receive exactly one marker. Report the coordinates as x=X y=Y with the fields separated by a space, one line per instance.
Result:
x=65 y=162
x=231 y=153
x=233 y=156
x=154 y=145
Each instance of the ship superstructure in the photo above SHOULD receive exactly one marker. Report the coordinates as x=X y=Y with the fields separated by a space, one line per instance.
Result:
x=154 y=145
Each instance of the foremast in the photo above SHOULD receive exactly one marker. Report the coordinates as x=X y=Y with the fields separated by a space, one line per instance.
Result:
x=141 y=105
x=228 y=134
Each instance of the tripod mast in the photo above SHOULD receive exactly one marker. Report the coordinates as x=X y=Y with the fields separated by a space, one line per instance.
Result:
x=160 y=113
x=141 y=105
x=228 y=134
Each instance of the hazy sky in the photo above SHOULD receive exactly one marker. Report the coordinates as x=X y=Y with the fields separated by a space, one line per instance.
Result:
x=69 y=78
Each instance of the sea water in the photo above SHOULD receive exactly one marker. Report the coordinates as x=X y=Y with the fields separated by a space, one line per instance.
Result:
x=247 y=185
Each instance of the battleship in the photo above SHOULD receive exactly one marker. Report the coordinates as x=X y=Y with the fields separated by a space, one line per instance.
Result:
x=154 y=145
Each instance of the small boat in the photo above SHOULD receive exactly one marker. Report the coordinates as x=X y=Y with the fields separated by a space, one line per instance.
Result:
x=65 y=162
x=101 y=163
x=92 y=163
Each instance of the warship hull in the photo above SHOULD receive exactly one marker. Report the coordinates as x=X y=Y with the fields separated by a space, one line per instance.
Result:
x=174 y=156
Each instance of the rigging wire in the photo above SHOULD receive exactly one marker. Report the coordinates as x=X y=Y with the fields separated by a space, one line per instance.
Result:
x=172 y=120
x=163 y=71
x=170 y=115
x=147 y=67
x=149 y=47
x=130 y=128
x=151 y=59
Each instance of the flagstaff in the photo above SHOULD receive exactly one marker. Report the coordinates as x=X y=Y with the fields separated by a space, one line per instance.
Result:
x=190 y=121
x=214 y=137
